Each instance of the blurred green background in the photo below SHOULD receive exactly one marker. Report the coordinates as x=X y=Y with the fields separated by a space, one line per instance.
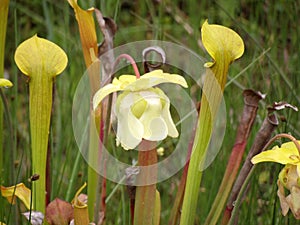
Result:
x=270 y=64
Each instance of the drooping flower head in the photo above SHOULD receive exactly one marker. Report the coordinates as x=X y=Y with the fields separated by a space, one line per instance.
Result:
x=142 y=110
x=286 y=154
x=289 y=177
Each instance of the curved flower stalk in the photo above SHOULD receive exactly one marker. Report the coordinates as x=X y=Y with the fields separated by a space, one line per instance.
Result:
x=224 y=46
x=40 y=60
x=289 y=177
x=142 y=111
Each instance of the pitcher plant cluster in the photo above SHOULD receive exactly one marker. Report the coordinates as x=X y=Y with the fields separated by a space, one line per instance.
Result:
x=144 y=119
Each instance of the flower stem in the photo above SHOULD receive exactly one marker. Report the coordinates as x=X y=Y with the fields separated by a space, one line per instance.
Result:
x=132 y=62
x=145 y=195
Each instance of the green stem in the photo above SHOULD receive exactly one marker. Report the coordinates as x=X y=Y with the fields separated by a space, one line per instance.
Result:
x=145 y=195
x=4 y=5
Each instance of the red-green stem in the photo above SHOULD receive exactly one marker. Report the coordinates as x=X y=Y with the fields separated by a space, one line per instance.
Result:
x=145 y=195
x=132 y=62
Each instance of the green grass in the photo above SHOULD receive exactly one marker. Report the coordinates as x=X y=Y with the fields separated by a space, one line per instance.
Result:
x=262 y=25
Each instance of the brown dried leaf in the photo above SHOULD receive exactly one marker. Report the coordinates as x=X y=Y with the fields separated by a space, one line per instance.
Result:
x=108 y=28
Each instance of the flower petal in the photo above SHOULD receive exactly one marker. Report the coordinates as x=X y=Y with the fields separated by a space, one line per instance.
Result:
x=124 y=80
x=5 y=83
x=288 y=176
x=139 y=106
x=103 y=92
x=20 y=191
x=291 y=145
x=38 y=56
x=130 y=130
x=282 y=199
x=172 y=131
x=298 y=172
x=154 y=125
x=156 y=77
x=279 y=155
x=294 y=201
x=155 y=129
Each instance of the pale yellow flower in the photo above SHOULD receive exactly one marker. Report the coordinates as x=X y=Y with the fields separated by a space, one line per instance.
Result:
x=142 y=110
